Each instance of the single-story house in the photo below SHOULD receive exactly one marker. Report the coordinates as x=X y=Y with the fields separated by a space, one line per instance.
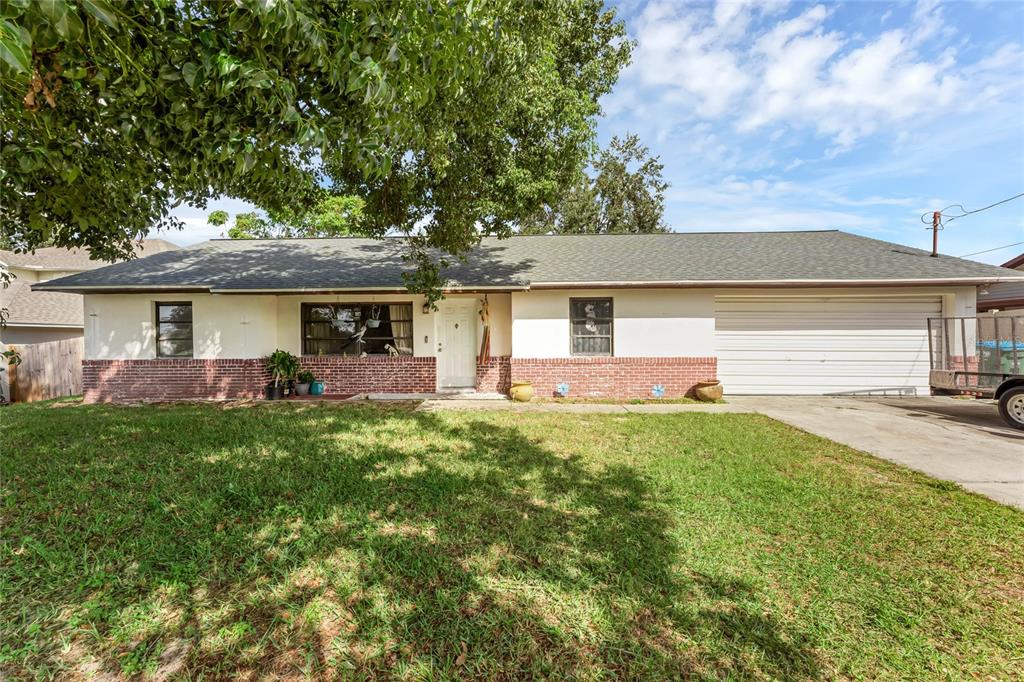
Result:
x=1005 y=298
x=818 y=312
x=41 y=316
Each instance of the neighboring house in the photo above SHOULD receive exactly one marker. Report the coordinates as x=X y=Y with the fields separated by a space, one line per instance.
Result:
x=39 y=316
x=1005 y=296
x=607 y=315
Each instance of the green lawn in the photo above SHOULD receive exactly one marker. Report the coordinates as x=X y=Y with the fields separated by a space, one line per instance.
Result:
x=286 y=541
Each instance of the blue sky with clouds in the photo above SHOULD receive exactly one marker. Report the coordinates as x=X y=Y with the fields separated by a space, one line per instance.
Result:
x=858 y=116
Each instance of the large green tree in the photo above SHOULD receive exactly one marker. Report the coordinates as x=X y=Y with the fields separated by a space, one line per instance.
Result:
x=624 y=194
x=451 y=119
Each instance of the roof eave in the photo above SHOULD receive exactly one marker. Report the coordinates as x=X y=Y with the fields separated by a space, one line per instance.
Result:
x=754 y=283
x=167 y=289
x=115 y=288
x=467 y=288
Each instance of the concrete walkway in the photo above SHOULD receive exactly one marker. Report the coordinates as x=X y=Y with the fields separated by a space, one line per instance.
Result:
x=577 y=408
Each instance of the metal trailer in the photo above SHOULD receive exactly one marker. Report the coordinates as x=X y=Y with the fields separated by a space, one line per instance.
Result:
x=981 y=356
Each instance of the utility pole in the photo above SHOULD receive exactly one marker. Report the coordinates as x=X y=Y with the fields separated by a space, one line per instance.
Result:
x=936 y=216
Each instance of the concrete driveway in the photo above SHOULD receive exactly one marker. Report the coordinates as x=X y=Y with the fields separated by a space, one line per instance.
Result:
x=961 y=441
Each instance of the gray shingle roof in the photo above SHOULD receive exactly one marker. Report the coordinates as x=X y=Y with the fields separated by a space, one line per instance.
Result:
x=674 y=258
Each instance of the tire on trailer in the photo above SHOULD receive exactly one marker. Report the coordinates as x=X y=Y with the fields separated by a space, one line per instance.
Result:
x=1011 y=407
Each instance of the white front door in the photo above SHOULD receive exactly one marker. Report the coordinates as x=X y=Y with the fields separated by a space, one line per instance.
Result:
x=456 y=344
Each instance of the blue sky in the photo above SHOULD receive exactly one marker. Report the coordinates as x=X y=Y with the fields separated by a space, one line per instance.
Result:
x=858 y=116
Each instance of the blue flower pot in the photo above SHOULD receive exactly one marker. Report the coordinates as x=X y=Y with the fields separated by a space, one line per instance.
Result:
x=316 y=388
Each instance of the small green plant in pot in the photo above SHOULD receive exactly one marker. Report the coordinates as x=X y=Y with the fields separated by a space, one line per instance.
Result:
x=302 y=382
x=283 y=366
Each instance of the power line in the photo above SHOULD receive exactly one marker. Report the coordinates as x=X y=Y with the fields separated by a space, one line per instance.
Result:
x=998 y=248
x=926 y=217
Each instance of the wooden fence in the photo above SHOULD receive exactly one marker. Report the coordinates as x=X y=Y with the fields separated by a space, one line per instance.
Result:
x=47 y=370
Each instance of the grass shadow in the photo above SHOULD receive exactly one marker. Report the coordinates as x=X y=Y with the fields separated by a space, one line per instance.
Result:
x=319 y=540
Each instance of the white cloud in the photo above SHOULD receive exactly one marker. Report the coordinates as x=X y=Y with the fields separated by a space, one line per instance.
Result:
x=812 y=119
x=770 y=217
x=740 y=62
x=687 y=59
x=196 y=228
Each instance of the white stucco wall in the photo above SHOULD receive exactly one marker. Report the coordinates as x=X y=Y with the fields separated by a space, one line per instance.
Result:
x=24 y=274
x=532 y=324
x=500 y=308
x=648 y=322
x=669 y=322
x=122 y=326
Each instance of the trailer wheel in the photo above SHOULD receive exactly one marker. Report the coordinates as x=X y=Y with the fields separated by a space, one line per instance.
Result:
x=1011 y=407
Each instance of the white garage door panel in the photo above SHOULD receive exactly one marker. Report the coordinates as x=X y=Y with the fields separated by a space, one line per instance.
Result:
x=820 y=345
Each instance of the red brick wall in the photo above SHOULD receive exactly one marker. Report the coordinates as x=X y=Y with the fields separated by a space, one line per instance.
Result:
x=172 y=379
x=494 y=376
x=613 y=377
x=378 y=374
x=186 y=379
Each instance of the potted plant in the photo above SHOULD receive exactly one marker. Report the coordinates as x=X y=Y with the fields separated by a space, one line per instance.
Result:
x=521 y=391
x=708 y=390
x=374 y=320
x=282 y=366
x=302 y=382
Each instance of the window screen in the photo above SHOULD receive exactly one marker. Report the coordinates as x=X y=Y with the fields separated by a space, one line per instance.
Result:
x=356 y=328
x=174 y=330
x=590 y=321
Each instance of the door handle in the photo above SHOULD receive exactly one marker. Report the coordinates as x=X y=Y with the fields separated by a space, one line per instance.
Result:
x=439 y=348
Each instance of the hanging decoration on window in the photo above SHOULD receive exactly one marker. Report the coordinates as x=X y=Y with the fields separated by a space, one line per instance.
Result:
x=374 y=321
x=591 y=315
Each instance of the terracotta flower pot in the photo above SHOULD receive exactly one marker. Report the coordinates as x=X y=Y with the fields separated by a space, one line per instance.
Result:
x=709 y=391
x=521 y=391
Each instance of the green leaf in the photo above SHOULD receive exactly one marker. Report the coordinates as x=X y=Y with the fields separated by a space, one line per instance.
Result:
x=101 y=11
x=14 y=50
x=12 y=8
x=63 y=19
x=169 y=73
x=189 y=72
x=53 y=10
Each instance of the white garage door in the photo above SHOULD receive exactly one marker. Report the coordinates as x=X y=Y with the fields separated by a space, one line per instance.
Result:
x=822 y=344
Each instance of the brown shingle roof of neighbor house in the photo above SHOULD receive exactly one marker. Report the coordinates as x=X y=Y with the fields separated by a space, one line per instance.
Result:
x=55 y=258
x=1015 y=263
x=29 y=308
x=40 y=308
x=673 y=259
